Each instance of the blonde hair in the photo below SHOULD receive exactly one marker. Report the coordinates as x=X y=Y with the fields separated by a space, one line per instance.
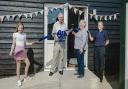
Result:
x=82 y=21
x=101 y=22
x=18 y=24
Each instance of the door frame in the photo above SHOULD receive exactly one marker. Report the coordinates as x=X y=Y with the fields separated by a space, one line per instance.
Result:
x=86 y=19
x=46 y=5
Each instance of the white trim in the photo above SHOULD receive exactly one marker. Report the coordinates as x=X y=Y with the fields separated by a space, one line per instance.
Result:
x=126 y=51
x=86 y=53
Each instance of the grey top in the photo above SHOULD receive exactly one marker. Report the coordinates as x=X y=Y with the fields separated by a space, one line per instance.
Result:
x=81 y=40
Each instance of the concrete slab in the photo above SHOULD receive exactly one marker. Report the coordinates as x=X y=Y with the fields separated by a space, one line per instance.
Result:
x=68 y=81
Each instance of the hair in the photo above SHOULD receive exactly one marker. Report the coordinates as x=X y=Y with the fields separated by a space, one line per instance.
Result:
x=18 y=24
x=100 y=22
x=60 y=14
x=82 y=21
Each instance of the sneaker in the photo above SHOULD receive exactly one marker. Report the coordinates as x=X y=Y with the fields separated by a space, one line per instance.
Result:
x=27 y=79
x=76 y=73
x=80 y=76
x=51 y=73
x=61 y=72
x=19 y=83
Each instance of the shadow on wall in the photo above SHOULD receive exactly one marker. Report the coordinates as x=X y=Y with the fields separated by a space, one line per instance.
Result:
x=112 y=64
x=34 y=65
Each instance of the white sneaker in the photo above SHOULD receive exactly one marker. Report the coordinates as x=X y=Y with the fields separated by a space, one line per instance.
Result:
x=27 y=79
x=19 y=83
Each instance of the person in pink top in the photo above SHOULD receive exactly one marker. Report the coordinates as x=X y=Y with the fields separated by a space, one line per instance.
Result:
x=18 y=51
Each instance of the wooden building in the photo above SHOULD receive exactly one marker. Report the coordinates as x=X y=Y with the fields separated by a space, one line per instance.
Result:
x=35 y=28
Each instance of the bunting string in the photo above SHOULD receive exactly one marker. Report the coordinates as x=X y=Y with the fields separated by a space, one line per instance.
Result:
x=76 y=11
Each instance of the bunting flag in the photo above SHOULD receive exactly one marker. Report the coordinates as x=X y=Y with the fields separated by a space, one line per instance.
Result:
x=80 y=12
x=2 y=18
x=96 y=17
x=19 y=15
x=70 y=6
x=8 y=17
x=105 y=18
x=94 y=11
x=26 y=15
x=75 y=10
x=101 y=17
x=36 y=13
x=115 y=16
x=46 y=10
x=30 y=14
x=110 y=17
x=41 y=12
x=91 y=16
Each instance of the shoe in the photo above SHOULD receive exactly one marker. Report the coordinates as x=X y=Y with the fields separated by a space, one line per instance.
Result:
x=61 y=72
x=80 y=76
x=51 y=73
x=27 y=79
x=19 y=83
x=101 y=79
x=76 y=73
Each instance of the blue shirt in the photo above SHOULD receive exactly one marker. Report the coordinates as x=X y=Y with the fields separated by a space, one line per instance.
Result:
x=100 y=37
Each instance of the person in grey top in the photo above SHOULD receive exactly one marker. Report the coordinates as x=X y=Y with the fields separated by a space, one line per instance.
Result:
x=81 y=45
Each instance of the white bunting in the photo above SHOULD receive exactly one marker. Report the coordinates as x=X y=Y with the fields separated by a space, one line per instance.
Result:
x=70 y=6
x=105 y=18
x=66 y=4
x=110 y=17
x=75 y=10
x=80 y=12
x=30 y=14
x=2 y=18
x=51 y=10
x=101 y=17
x=36 y=13
x=26 y=15
x=94 y=11
x=8 y=17
x=41 y=12
x=19 y=15
x=91 y=15
x=46 y=10
x=96 y=17
x=13 y=16
x=115 y=16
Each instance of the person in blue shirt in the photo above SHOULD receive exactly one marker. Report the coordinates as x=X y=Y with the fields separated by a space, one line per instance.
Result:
x=101 y=40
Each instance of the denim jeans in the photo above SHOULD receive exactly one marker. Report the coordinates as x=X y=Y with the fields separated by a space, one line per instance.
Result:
x=80 y=61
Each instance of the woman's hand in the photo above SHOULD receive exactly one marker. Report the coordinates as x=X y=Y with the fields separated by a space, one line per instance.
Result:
x=73 y=33
x=81 y=51
x=10 y=53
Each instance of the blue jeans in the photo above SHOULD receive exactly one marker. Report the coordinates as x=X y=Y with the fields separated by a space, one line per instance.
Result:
x=80 y=61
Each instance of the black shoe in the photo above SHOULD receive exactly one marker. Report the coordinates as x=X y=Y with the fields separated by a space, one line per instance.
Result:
x=51 y=73
x=101 y=79
x=80 y=76
x=61 y=72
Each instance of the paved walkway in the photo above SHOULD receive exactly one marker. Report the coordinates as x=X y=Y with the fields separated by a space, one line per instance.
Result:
x=68 y=81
